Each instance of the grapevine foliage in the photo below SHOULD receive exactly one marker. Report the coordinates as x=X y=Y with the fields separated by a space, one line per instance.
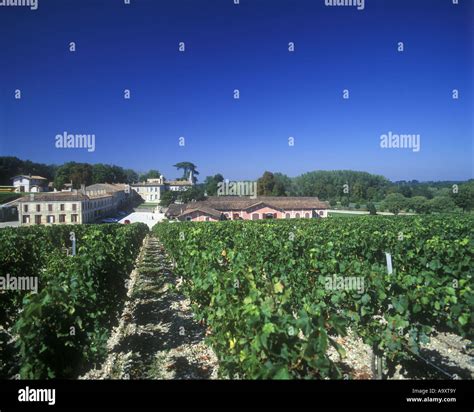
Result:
x=62 y=330
x=261 y=287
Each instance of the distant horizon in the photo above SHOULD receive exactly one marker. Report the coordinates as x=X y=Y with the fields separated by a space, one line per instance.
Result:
x=202 y=176
x=386 y=89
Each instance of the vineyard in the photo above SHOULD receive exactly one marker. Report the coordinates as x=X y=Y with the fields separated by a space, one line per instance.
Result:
x=275 y=295
x=61 y=330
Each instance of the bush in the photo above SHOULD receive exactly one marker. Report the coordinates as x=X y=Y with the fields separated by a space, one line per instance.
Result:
x=64 y=328
x=395 y=203
x=371 y=208
x=345 y=201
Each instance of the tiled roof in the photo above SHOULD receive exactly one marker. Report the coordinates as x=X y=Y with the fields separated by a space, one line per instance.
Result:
x=178 y=183
x=201 y=208
x=108 y=187
x=282 y=203
x=146 y=184
x=175 y=210
x=31 y=177
x=54 y=197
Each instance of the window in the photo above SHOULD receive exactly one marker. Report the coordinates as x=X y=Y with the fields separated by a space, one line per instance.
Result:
x=38 y=208
x=236 y=216
x=255 y=216
x=321 y=213
x=188 y=218
x=62 y=218
x=287 y=216
x=50 y=219
x=73 y=218
x=61 y=207
x=50 y=208
x=25 y=208
x=26 y=219
x=38 y=219
x=297 y=215
x=74 y=207
x=306 y=215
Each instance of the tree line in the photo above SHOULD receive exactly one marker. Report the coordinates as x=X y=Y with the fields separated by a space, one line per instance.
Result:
x=81 y=173
x=339 y=187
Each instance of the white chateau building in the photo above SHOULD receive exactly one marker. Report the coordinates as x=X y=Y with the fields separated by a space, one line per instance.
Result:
x=30 y=184
x=152 y=190
x=86 y=205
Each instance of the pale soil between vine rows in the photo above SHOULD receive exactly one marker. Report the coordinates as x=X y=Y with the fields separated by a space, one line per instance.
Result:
x=157 y=336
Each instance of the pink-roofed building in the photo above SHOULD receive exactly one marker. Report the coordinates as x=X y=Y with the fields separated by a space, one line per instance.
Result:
x=240 y=208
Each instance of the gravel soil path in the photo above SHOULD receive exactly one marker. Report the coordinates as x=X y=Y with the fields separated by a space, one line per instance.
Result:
x=157 y=336
x=446 y=356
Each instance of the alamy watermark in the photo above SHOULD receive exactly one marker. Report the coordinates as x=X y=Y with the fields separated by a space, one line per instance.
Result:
x=37 y=395
x=360 y=4
x=32 y=4
x=347 y=283
x=19 y=283
x=75 y=141
x=245 y=188
x=400 y=141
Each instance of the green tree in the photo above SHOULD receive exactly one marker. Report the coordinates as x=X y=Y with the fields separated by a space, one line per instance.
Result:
x=103 y=173
x=395 y=202
x=77 y=173
x=419 y=204
x=442 y=204
x=211 y=184
x=195 y=193
x=151 y=174
x=266 y=184
x=187 y=167
x=345 y=201
x=130 y=176
x=168 y=198
x=371 y=208
x=329 y=184
x=464 y=196
x=12 y=166
x=283 y=185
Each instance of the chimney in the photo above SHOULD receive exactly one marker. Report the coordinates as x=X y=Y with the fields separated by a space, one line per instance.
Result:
x=83 y=188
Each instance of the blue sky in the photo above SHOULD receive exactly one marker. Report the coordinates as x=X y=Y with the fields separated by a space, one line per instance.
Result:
x=242 y=47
